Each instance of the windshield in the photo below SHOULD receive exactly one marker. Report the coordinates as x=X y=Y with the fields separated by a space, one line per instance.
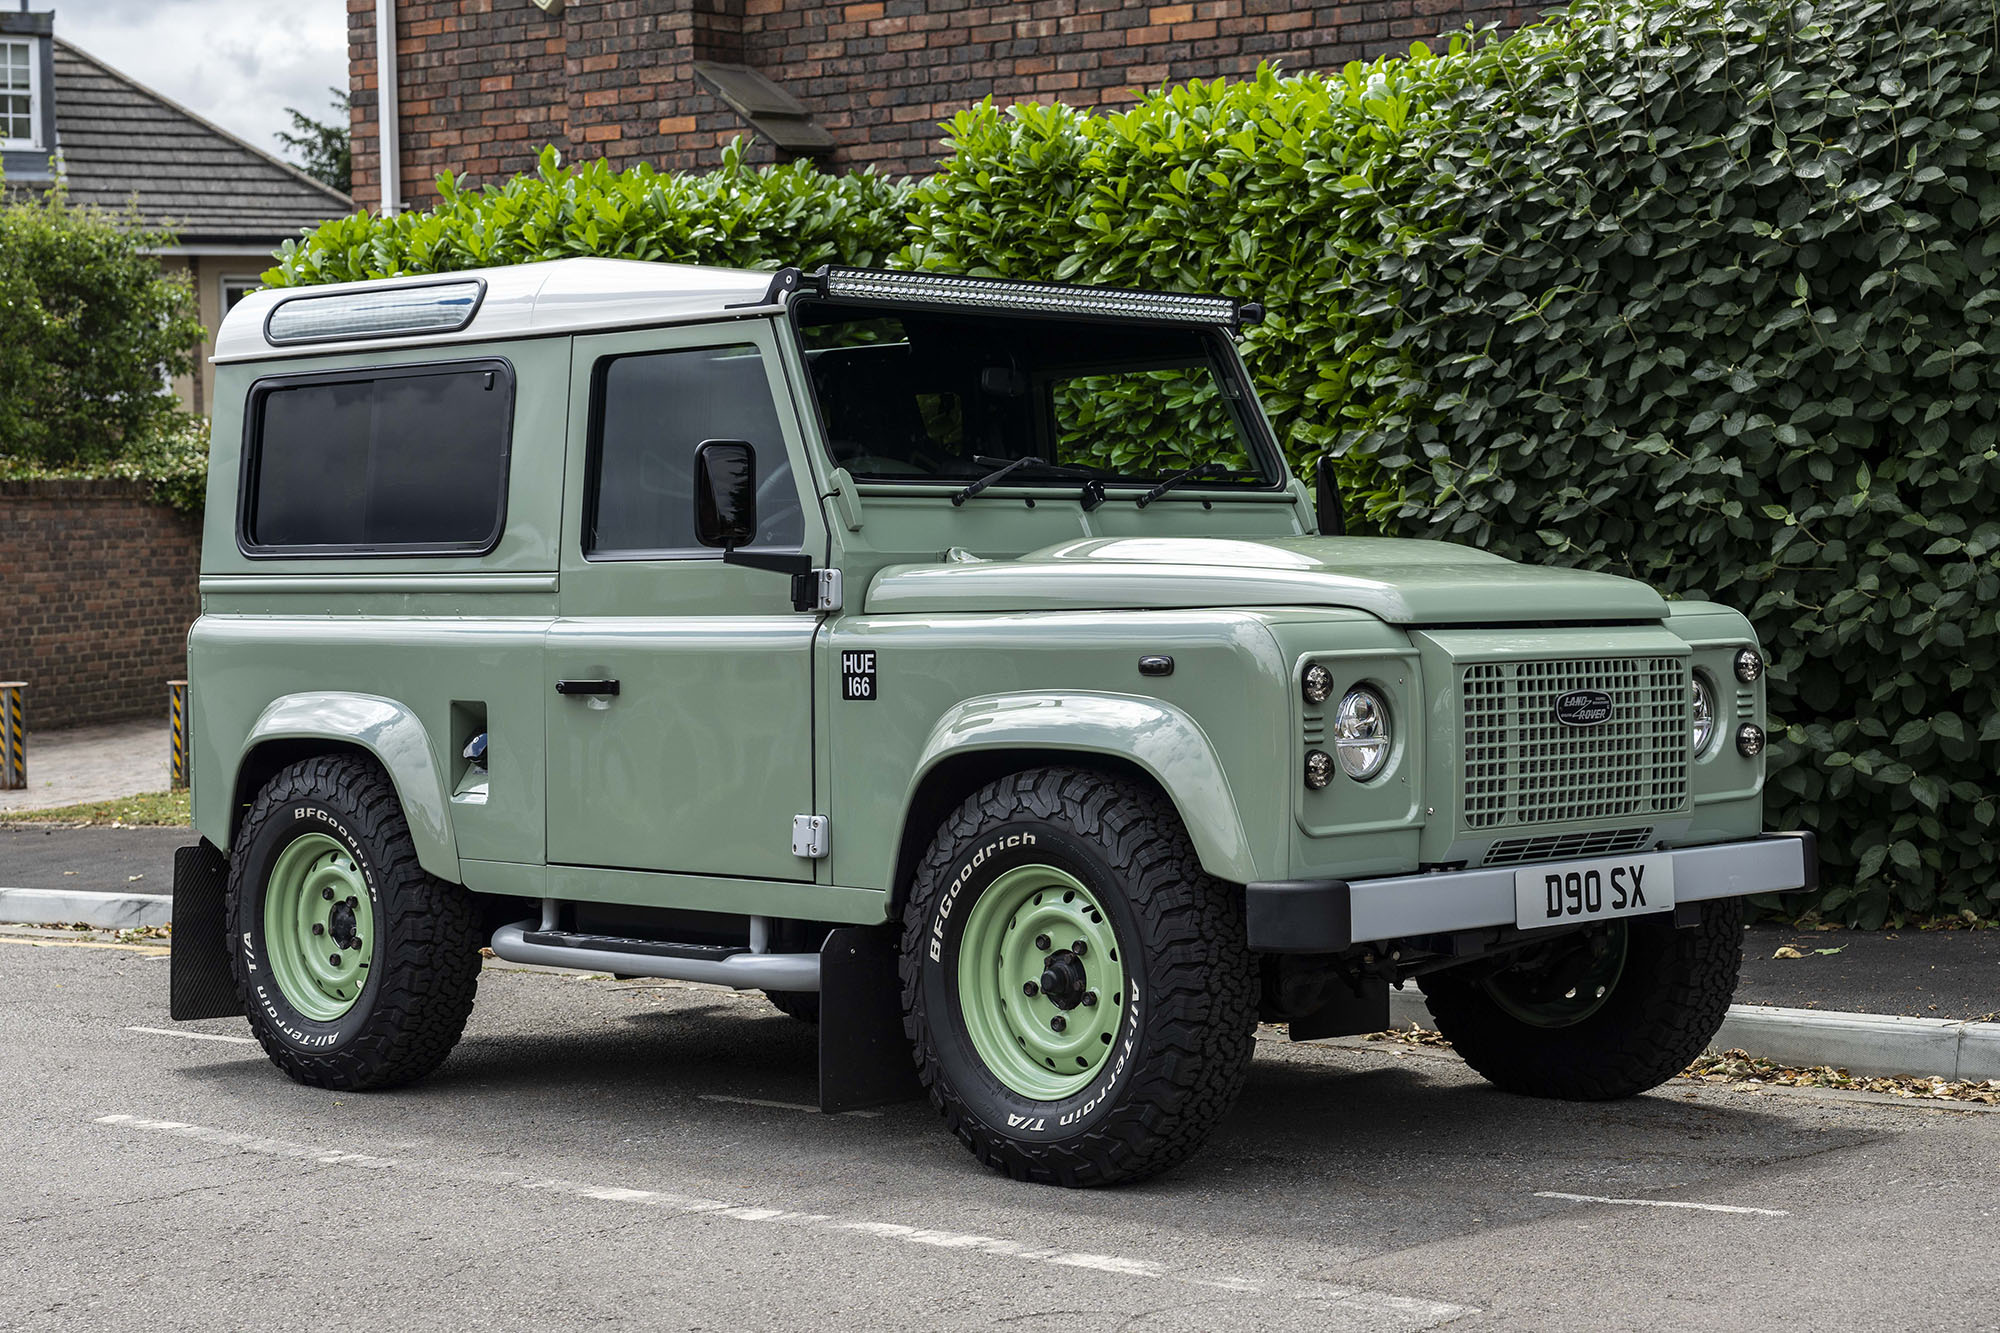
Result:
x=949 y=396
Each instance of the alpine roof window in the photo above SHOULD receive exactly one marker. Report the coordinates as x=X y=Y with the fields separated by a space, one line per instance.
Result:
x=19 y=95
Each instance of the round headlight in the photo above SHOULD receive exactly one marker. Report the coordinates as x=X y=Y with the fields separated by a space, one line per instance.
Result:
x=1361 y=733
x=1704 y=715
x=1749 y=740
x=1749 y=664
x=1319 y=769
x=1317 y=683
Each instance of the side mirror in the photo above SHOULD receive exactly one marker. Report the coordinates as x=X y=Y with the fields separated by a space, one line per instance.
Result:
x=725 y=493
x=1332 y=519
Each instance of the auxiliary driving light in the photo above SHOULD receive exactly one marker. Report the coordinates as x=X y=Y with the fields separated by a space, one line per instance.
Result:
x=1317 y=684
x=1749 y=740
x=1749 y=664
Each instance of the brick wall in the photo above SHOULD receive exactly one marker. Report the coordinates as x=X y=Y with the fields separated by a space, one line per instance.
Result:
x=98 y=585
x=485 y=83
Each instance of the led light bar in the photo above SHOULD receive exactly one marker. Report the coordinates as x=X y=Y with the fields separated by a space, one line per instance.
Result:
x=1054 y=298
x=436 y=307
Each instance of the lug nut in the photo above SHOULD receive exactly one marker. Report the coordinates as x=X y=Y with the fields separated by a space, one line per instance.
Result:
x=333 y=958
x=1042 y=943
x=1030 y=988
x=1079 y=948
x=327 y=894
x=353 y=901
x=1058 y=1022
x=1090 y=997
x=318 y=929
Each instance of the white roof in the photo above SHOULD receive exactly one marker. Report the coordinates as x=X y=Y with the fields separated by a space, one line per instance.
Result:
x=559 y=296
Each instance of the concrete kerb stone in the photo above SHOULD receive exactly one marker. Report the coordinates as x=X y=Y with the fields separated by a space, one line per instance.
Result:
x=105 y=911
x=1868 y=1045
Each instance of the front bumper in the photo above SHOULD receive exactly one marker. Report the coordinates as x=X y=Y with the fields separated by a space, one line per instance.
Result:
x=1329 y=915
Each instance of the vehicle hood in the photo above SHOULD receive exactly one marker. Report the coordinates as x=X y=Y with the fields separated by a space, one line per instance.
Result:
x=1403 y=581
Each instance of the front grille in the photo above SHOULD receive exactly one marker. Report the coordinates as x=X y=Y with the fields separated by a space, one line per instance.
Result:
x=1523 y=767
x=1563 y=846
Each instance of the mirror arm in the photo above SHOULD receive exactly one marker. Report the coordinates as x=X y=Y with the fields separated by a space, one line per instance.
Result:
x=805 y=585
x=1332 y=514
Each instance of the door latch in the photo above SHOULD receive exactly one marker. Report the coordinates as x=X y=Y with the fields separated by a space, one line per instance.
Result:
x=809 y=836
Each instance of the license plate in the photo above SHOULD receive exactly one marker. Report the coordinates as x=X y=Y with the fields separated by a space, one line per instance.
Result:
x=1569 y=891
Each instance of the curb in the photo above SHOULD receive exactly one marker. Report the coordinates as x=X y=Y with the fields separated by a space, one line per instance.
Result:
x=105 y=911
x=1869 y=1045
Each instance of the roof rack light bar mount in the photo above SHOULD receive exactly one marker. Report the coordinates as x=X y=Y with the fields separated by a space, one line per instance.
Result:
x=957 y=291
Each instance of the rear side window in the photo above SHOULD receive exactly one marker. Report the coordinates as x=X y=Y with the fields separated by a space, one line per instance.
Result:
x=653 y=410
x=382 y=462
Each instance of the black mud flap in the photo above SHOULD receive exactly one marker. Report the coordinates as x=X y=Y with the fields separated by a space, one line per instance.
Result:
x=1348 y=1011
x=864 y=1058
x=200 y=985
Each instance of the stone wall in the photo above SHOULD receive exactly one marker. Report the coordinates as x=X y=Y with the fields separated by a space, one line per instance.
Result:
x=486 y=83
x=98 y=585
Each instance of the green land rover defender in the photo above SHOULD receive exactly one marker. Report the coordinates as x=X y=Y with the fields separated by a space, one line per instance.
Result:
x=954 y=660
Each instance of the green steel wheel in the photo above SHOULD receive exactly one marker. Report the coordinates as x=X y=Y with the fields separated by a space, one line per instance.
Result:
x=1538 y=1024
x=1040 y=982
x=1079 y=994
x=356 y=967
x=317 y=925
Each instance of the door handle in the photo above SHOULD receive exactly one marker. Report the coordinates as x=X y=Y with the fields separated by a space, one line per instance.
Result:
x=586 y=687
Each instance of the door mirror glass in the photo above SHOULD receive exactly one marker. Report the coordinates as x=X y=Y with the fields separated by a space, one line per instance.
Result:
x=725 y=493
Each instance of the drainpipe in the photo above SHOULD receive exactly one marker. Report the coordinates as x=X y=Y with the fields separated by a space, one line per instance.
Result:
x=389 y=156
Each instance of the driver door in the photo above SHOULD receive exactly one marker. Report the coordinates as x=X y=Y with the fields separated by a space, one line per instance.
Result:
x=701 y=757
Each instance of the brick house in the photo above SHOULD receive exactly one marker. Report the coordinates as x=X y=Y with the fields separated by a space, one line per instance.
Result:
x=479 y=86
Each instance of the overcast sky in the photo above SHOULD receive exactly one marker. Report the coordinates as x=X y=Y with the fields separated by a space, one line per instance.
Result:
x=239 y=63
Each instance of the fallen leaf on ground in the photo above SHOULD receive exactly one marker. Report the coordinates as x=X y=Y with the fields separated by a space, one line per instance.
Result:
x=1787 y=951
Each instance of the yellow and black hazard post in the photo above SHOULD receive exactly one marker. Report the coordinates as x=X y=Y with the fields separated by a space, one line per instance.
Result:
x=13 y=736
x=177 y=709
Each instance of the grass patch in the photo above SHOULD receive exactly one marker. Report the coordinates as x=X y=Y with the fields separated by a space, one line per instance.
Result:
x=153 y=809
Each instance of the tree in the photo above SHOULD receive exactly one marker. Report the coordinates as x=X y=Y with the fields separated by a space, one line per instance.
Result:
x=322 y=149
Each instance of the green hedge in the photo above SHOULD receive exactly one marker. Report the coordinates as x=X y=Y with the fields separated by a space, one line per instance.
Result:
x=737 y=216
x=1706 y=294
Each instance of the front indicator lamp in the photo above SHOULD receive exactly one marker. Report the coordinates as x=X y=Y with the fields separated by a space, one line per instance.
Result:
x=1316 y=684
x=1319 y=769
x=1749 y=665
x=1361 y=736
x=1749 y=740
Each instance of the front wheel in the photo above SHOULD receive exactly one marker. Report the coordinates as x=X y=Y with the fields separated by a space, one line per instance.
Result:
x=1600 y=1014
x=357 y=968
x=1080 y=993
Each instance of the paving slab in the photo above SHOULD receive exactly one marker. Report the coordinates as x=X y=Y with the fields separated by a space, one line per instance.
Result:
x=102 y=763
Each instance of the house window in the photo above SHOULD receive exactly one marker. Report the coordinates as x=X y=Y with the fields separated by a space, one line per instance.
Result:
x=17 y=95
x=234 y=289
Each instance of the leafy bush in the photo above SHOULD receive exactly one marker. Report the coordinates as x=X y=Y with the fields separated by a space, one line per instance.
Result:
x=173 y=463
x=91 y=330
x=1705 y=293
x=736 y=216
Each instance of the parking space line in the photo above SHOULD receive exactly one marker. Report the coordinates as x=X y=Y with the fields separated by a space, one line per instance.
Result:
x=1381 y=1310
x=1663 y=1203
x=194 y=1036
x=151 y=950
x=780 y=1106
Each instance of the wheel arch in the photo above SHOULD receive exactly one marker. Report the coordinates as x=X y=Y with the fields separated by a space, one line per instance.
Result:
x=1141 y=739
x=302 y=726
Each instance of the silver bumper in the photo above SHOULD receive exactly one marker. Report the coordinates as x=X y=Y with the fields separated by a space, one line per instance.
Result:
x=1326 y=916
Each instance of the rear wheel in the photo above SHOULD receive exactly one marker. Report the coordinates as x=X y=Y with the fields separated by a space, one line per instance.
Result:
x=1081 y=995
x=1604 y=1013
x=357 y=968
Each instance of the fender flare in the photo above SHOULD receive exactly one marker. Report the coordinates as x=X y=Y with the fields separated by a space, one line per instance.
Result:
x=391 y=733
x=1160 y=738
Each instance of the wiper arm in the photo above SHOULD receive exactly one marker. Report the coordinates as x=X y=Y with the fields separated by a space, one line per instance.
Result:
x=1199 y=470
x=1007 y=468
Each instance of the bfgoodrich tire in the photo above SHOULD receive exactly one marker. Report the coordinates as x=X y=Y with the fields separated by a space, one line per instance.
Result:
x=1080 y=995
x=1537 y=1025
x=356 y=967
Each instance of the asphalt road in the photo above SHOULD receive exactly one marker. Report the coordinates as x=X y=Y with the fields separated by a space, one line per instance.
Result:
x=604 y=1154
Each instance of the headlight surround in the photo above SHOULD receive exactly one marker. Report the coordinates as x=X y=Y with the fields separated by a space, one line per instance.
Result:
x=1702 y=709
x=1361 y=733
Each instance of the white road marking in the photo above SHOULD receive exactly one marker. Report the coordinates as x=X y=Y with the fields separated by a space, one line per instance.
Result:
x=1663 y=1203
x=1378 y=1310
x=193 y=1036
x=782 y=1106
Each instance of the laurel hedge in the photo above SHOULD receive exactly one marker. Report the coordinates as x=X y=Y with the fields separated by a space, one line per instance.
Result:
x=1706 y=293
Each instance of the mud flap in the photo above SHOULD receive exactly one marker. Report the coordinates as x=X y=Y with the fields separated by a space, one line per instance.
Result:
x=1350 y=1009
x=864 y=1058
x=200 y=984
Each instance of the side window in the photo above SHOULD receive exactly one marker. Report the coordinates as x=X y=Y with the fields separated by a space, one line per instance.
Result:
x=653 y=410
x=380 y=462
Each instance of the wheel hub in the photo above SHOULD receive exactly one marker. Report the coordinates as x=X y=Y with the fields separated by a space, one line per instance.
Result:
x=318 y=926
x=1063 y=980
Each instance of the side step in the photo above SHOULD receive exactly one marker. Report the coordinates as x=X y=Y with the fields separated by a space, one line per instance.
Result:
x=718 y=965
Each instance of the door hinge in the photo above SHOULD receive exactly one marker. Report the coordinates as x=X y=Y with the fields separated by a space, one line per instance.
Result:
x=809 y=836
x=817 y=590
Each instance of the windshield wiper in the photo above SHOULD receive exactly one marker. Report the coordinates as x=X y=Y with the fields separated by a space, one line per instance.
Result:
x=1199 y=470
x=1093 y=492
